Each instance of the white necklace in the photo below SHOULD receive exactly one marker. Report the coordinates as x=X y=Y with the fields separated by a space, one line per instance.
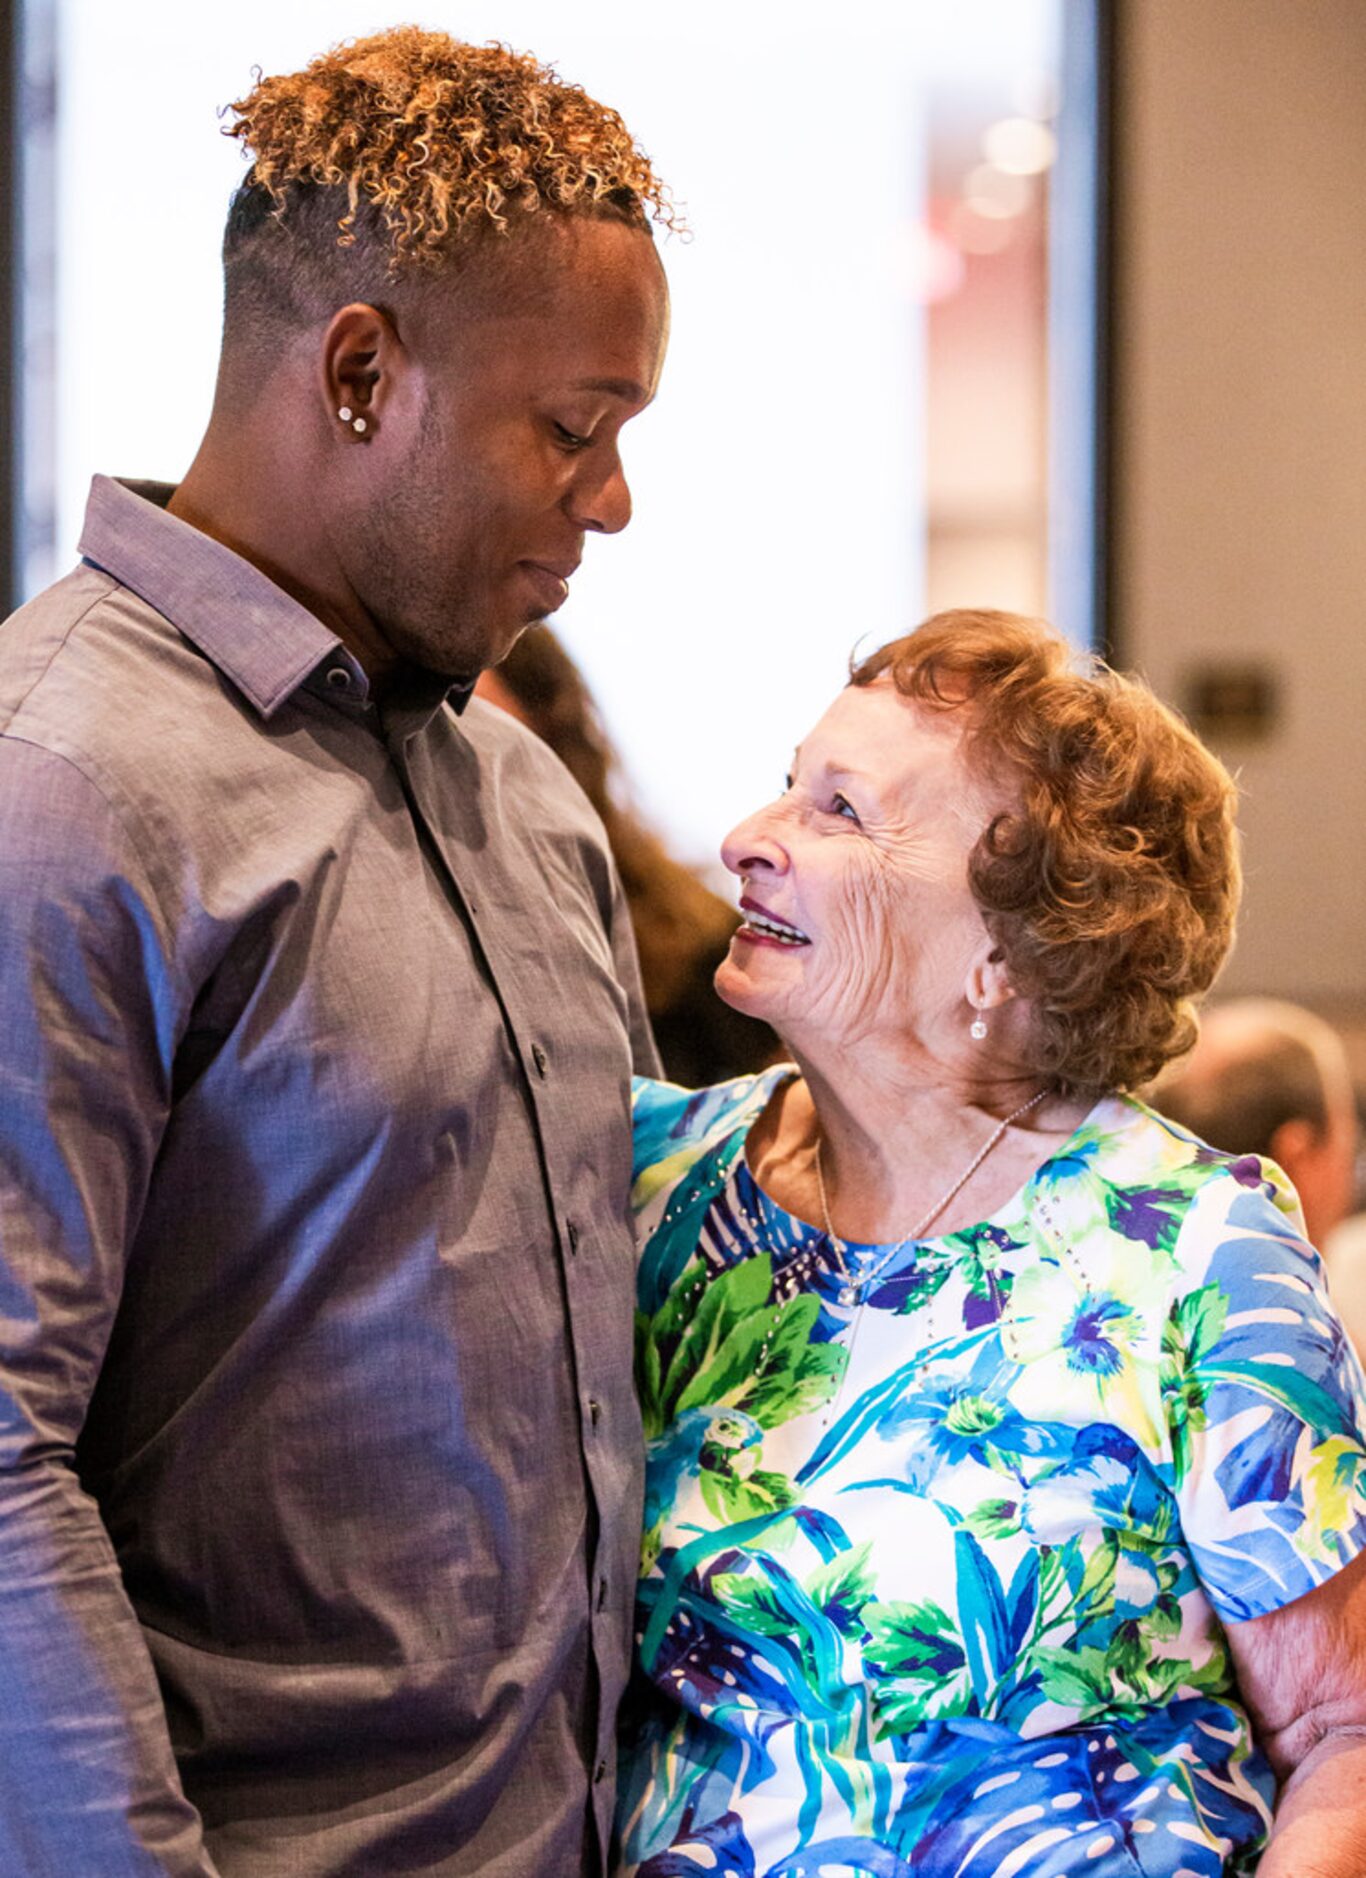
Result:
x=854 y=1288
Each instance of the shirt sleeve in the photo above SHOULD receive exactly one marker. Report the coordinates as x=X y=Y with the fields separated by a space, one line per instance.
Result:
x=644 y=1055
x=1265 y=1399
x=88 y=1016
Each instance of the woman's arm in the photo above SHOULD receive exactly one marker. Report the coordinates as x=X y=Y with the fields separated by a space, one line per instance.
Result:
x=1302 y=1672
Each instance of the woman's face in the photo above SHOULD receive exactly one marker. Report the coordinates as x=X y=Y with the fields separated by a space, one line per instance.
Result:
x=861 y=864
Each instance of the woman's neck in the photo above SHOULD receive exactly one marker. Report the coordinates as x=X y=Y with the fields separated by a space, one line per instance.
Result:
x=892 y=1145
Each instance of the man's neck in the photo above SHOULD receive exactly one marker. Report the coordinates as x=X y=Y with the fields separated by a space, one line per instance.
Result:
x=266 y=517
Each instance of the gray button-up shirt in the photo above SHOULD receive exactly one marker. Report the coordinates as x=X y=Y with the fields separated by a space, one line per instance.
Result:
x=319 y=1464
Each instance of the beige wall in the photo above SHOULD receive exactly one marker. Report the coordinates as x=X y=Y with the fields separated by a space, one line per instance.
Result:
x=1240 y=464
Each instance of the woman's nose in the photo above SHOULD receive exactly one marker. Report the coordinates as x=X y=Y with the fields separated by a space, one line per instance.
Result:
x=753 y=846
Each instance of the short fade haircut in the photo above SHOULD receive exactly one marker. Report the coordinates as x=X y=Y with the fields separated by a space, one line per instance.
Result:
x=1111 y=887
x=1259 y=1064
x=390 y=154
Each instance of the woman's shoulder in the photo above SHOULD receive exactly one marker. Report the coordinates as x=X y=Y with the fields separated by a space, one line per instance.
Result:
x=674 y=1126
x=1138 y=1201
x=1148 y=1165
x=687 y=1142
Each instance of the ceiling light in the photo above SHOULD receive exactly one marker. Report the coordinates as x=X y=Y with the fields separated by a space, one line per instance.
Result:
x=1020 y=146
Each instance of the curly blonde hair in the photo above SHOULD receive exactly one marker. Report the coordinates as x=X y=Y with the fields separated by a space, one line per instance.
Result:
x=383 y=158
x=1112 y=888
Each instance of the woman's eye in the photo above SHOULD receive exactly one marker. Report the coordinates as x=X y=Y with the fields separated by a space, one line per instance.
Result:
x=570 y=439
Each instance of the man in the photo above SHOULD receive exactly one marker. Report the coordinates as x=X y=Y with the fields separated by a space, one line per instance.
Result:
x=1270 y=1078
x=319 y=1466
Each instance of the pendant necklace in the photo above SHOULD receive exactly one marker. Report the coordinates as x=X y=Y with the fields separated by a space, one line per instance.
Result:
x=852 y=1292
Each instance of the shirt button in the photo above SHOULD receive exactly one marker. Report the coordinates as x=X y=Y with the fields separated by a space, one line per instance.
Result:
x=594 y=1410
x=538 y=1057
x=339 y=678
x=573 y=1233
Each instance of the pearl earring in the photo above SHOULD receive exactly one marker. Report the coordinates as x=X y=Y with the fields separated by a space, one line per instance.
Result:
x=977 y=1029
x=358 y=424
x=345 y=414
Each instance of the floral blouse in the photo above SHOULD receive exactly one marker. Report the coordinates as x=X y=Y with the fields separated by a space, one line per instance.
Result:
x=936 y=1588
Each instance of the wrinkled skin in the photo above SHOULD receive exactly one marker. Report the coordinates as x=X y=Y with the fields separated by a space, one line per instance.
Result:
x=866 y=852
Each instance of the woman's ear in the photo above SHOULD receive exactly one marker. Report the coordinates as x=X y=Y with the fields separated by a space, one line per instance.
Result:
x=988 y=985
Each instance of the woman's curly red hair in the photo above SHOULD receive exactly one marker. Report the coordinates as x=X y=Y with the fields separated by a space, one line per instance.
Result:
x=1113 y=887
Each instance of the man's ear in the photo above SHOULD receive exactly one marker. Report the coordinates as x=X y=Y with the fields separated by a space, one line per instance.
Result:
x=1292 y=1145
x=361 y=367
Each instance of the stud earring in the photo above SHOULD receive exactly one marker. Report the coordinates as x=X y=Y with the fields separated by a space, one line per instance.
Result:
x=977 y=1029
x=345 y=414
x=348 y=416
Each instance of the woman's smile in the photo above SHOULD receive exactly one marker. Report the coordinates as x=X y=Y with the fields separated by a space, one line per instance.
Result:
x=868 y=845
x=760 y=927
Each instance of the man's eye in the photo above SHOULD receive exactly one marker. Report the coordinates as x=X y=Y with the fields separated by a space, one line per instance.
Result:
x=841 y=805
x=569 y=438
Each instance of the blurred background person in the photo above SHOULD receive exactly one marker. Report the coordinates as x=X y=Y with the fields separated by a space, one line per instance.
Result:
x=682 y=928
x=1270 y=1078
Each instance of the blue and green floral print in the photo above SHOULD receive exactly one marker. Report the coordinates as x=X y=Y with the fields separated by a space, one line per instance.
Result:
x=938 y=1590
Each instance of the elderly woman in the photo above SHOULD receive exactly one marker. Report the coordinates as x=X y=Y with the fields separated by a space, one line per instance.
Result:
x=1007 y=1473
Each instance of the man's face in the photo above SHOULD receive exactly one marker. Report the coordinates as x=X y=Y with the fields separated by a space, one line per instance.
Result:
x=499 y=451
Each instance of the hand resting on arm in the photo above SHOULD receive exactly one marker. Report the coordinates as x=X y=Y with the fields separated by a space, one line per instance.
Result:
x=1302 y=1672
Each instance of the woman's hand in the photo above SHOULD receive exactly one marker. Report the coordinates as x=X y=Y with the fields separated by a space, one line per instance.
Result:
x=1302 y=1672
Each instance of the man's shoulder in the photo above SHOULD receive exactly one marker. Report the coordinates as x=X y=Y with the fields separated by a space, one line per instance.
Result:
x=88 y=669
x=45 y=632
x=104 y=702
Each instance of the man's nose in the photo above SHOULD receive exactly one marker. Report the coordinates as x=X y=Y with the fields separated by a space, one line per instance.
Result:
x=600 y=503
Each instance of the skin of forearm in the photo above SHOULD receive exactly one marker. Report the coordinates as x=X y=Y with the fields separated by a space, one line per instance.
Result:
x=1320 y=1825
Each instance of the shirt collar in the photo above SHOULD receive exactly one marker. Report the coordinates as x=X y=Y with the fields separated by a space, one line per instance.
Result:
x=262 y=640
